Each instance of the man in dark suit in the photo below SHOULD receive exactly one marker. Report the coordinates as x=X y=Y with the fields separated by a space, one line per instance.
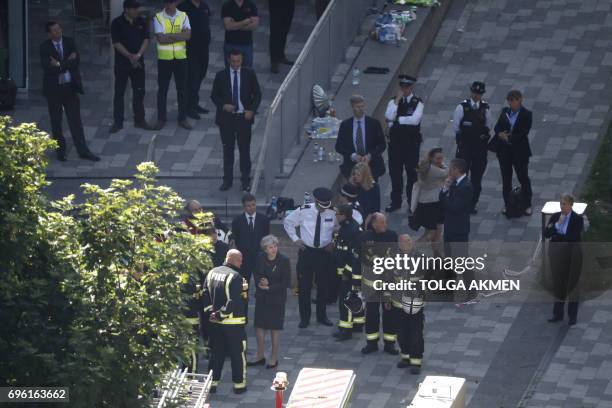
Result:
x=237 y=96
x=457 y=198
x=247 y=231
x=61 y=86
x=361 y=139
x=512 y=147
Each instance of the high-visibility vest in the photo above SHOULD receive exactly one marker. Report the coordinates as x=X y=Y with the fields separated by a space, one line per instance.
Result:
x=176 y=50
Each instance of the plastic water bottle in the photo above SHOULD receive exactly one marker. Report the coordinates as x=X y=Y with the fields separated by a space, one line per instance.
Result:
x=321 y=154
x=356 y=73
x=315 y=153
x=307 y=198
x=274 y=204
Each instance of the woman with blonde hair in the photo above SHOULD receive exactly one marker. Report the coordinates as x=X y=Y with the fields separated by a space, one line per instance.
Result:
x=429 y=212
x=368 y=191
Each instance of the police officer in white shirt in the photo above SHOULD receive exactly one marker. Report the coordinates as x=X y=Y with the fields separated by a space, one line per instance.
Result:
x=403 y=114
x=316 y=225
x=472 y=126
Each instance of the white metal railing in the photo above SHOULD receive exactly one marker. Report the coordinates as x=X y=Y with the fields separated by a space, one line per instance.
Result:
x=291 y=107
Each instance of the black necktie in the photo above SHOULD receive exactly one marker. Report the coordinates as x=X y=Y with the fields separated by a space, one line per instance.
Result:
x=251 y=223
x=235 y=91
x=359 y=142
x=317 y=236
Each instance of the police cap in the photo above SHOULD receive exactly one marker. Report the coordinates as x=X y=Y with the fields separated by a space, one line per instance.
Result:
x=349 y=191
x=478 y=87
x=407 y=80
x=323 y=196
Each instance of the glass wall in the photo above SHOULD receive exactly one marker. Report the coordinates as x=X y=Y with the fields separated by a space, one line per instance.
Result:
x=13 y=46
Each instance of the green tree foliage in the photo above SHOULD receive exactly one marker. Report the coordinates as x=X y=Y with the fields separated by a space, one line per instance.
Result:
x=93 y=296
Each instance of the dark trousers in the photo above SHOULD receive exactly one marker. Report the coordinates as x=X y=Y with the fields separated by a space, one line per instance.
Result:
x=197 y=66
x=66 y=100
x=228 y=339
x=165 y=70
x=137 y=78
x=236 y=130
x=403 y=156
x=249 y=261
x=410 y=336
x=313 y=262
x=192 y=365
x=522 y=173
x=476 y=160
x=346 y=317
x=372 y=323
x=566 y=263
x=281 y=15
x=320 y=6
x=457 y=247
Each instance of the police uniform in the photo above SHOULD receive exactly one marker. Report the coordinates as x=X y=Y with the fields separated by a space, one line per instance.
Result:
x=224 y=297
x=404 y=120
x=472 y=124
x=316 y=232
x=349 y=191
x=346 y=266
x=411 y=319
x=371 y=245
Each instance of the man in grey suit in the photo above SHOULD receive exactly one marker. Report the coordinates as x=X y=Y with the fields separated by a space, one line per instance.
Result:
x=456 y=197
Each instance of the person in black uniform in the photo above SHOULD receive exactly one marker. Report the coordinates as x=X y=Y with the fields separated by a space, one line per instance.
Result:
x=565 y=232
x=224 y=296
x=198 y=13
x=348 y=195
x=281 y=15
x=194 y=316
x=316 y=224
x=403 y=114
x=130 y=36
x=410 y=306
x=513 y=150
x=472 y=126
x=61 y=87
x=346 y=259
x=371 y=244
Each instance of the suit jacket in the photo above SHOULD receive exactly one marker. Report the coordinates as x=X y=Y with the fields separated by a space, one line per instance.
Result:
x=51 y=72
x=250 y=94
x=248 y=240
x=375 y=145
x=518 y=149
x=573 y=233
x=279 y=279
x=457 y=202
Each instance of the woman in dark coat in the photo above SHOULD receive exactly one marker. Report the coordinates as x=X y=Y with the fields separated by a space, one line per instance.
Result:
x=565 y=232
x=272 y=278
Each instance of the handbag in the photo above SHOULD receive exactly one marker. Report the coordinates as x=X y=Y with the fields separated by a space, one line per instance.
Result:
x=494 y=142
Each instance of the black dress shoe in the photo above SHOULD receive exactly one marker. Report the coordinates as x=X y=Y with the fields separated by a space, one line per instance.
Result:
x=89 y=156
x=369 y=348
x=403 y=363
x=240 y=390
x=115 y=128
x=571 y=322
x=246 y=187
x=274 y=68
x=325 y=322
x=392 y=207
x=285 y=61
x=61 y=157
x=225 y=186
x=256 y=363
x=159 y=125
x=143 y=125
x=474 y=211
x=201 y=110
x=303 y=325
x=272 y=365
x=390 y=349
x=213 y=389
x=193 y=115
x=555 y=319
x=185 y=124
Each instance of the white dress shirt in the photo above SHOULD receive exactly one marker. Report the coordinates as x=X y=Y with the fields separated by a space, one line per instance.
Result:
x=414 y=119
x=248 y=216
x=458 y=115
x=240 y=107
x=363 y=131
x=306 y=219
x=64 y=77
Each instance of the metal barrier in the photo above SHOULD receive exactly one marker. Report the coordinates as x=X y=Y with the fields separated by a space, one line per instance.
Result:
x=316 y=64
